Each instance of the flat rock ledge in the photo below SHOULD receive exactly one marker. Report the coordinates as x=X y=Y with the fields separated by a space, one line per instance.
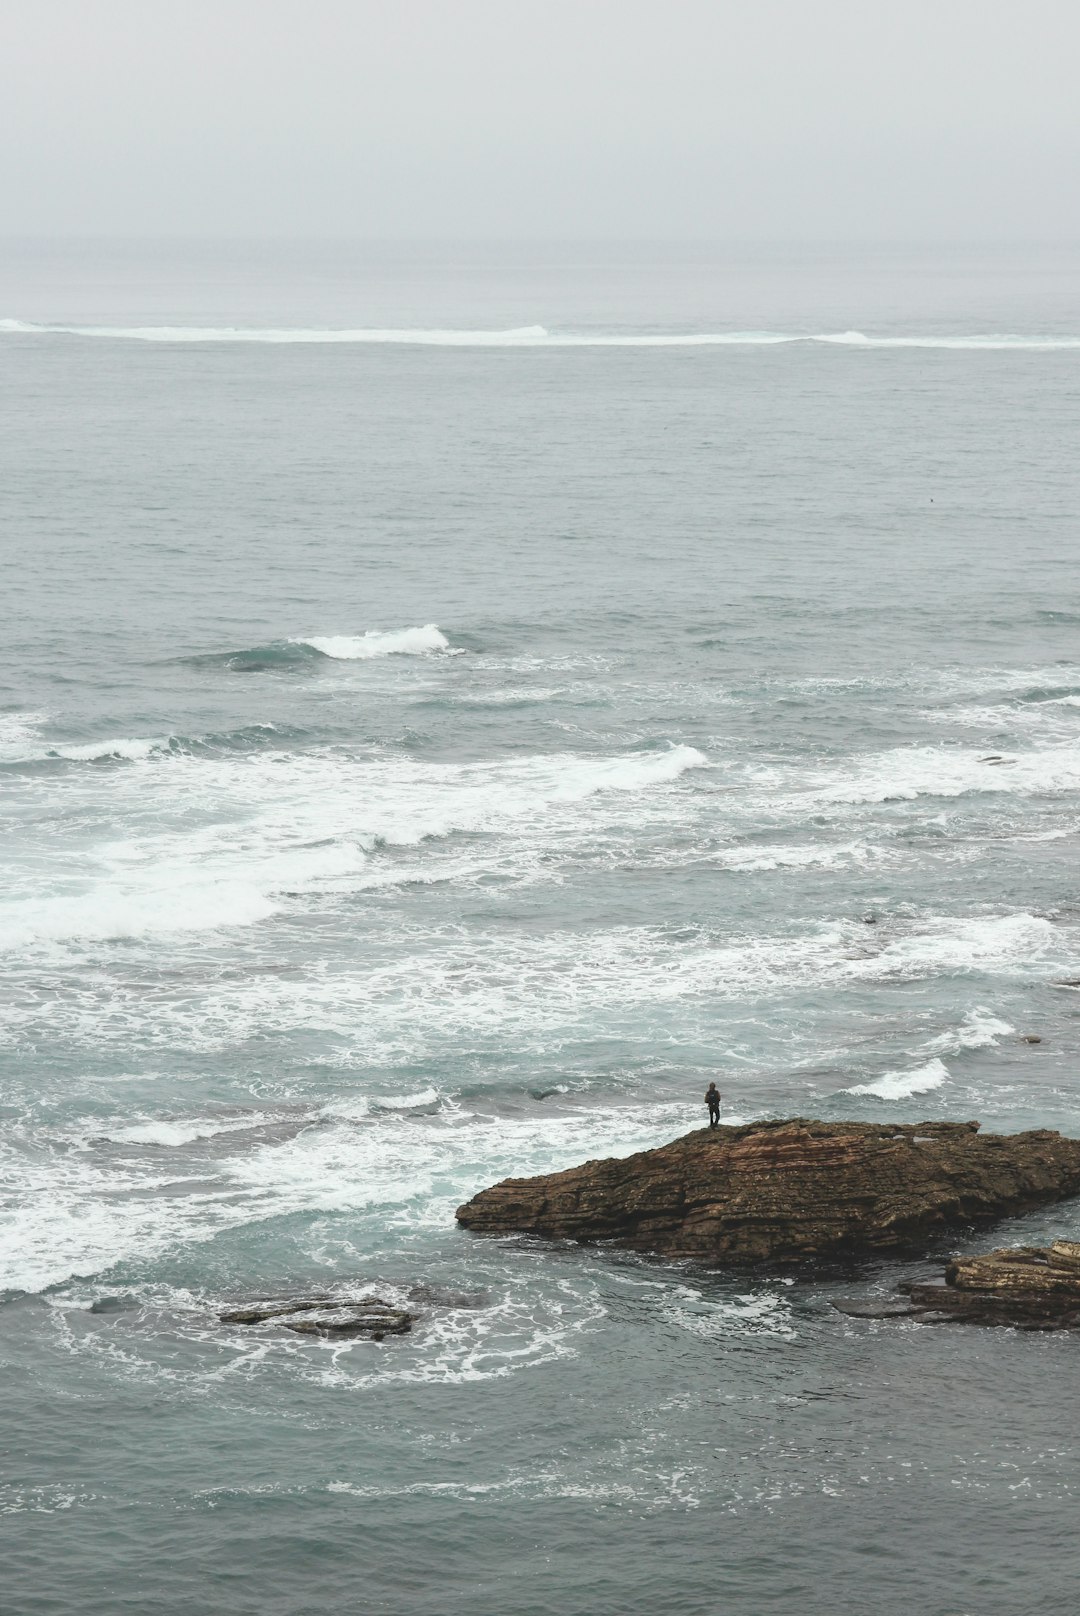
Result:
x=1028 y=1287
x=788 y=1191
x=327 y=1316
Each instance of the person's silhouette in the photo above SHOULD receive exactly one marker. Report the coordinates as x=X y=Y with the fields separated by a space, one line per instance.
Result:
x=712 y=1100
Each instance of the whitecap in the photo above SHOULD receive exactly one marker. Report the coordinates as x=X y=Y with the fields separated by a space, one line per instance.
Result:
x=301 y=822
x=431 y=987
x=173 y=1134
x=71 y=1215
x=111 y=911
x=520 y=336
x=751 y=860
x=405 y=1102
x=377 y=643
x=994 y=342
x=901 y=1085
x=910 y=772
x=19 y=737
x=980 y=1029
x=133 y=750
x=978 y=942
x=536 y=336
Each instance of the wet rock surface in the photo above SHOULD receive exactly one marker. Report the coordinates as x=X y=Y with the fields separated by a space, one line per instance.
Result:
x=1031 y=1287
x=788 y=1191
x=1027 y=1287
x=328 y=1316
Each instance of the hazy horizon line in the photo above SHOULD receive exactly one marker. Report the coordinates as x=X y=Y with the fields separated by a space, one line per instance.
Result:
x=803 y=243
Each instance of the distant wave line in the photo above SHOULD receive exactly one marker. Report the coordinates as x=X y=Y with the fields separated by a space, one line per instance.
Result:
x=534 y=336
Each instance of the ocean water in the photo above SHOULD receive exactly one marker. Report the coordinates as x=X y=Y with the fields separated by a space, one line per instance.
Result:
x=454 y=702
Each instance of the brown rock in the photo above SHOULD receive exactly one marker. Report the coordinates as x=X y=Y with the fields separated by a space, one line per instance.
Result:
x=785 y=1191
x=1031 y=1287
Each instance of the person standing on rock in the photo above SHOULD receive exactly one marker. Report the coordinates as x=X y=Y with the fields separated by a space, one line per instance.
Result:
x=712 y=1100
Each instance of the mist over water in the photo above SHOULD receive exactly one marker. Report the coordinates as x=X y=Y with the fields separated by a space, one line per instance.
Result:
x=453 y=704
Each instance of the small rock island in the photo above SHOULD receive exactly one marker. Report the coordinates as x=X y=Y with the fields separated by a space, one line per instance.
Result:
x=330 y=1316
x=788 y=1191
x=1027 y=1287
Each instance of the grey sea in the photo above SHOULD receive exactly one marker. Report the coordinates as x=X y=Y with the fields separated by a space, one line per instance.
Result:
x=454 y=703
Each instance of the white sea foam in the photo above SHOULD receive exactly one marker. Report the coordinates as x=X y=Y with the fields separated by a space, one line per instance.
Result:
x=133 y=750
x=647 y=1488
x=992 y=342
x=29 y=746
x=74 y=1213
x=175 y=1135
x=942 y=682
x=19 y=736
x=406 y=1102
x=518 y=337
x=905 y=773
x=110 y=910
x=284 y=823
x=980 y=1029
x=395 y=642
x=976 y=943
x=901 y=1085
x=763 y=1312
x=535 y=336
x=512 y=696
x=356 y=1108
x=1054 y=718
x=821 y=855
x=428 y=989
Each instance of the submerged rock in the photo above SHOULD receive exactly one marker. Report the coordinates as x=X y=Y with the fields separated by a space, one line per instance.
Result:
x=327 y=1316
x=114 y=1304
x=788 y=1191
x=875 y=1307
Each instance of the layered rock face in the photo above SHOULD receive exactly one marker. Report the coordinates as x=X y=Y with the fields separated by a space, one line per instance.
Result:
x=327 y=1316
x=1028 y=1287
x=1032 y=1287
x=788 y=1191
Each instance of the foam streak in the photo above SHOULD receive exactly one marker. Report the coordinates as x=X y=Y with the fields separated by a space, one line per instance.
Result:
x=537 y=336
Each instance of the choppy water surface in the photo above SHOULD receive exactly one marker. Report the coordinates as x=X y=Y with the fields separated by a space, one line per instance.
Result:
x=428 y=760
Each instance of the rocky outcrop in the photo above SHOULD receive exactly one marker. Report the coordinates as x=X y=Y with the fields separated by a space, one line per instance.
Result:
x=787 y=1191
x=327 y=1316
x=1033 y=1287
x=1029 y=1287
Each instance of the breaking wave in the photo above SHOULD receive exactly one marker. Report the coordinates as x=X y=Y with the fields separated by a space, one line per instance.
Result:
x=410 y=1166
x=314 y=832
x=35 y=752
x=360 y=647
x=533 y=336
x=980 y=1029
x=903 y=1084
x=434 y=989
x=174 y=1135
x=405 y=1102
x=938 y=771
x=304 y=651
x=999 y=341
x=18 y=733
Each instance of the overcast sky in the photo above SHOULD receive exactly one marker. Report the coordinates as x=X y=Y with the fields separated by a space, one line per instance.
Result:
x=730 y=119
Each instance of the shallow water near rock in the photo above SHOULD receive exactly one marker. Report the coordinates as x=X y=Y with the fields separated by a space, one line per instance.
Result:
x=424 y=762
